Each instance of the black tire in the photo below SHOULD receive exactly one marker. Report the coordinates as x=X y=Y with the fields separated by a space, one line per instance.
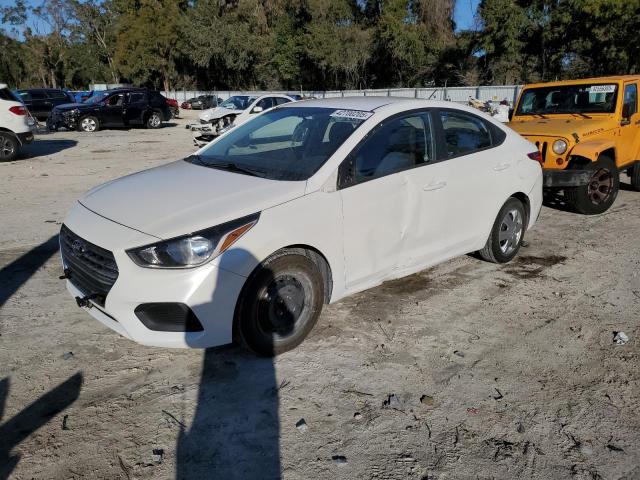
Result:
x=88 y=124
x=634 y=175
x=8 y=147
x=154 y=120
x=506 y=234
x=280 y=303
x=601 y=191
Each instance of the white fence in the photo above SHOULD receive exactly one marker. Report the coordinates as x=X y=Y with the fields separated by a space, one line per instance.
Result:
x=453 y=94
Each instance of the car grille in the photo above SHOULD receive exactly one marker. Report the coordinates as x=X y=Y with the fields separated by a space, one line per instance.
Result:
x=91 y=269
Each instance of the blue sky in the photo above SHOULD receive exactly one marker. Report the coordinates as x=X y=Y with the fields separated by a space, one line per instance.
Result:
x=463 y=14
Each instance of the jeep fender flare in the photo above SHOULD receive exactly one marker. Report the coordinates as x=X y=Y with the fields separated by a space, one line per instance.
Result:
x=592 y=149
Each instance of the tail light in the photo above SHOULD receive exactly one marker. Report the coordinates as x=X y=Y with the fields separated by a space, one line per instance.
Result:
x=18 y=110
x=537 y=156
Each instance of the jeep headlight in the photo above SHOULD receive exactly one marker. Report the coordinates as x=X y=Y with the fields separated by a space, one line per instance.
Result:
x=195 y=249
x=559 y=147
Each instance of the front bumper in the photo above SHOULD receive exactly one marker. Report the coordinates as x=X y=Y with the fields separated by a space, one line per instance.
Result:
x=210 y=292
x=566 y=178
x=68 y=120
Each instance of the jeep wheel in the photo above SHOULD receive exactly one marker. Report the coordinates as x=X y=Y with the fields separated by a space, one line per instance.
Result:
x=154 y=120
x=601 y=191
x=280 y=303
x=634 y=174
x=8 y=147
x=89 y=124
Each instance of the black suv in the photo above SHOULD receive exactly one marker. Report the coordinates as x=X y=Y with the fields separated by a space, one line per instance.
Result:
x=121 y=107
x=40 y=101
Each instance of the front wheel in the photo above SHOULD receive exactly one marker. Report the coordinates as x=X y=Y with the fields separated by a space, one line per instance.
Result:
x=506 y=235
x=89 y=124
x=601 y=191
x=280 y=303
x=154 y=120
x=8 y=147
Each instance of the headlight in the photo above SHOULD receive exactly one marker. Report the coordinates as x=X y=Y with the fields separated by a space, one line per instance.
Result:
x=559 y=147
x=194 y=249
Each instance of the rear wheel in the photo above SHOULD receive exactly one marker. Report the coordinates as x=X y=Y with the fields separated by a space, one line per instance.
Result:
x=634 y=174
x=601 y=191
x=8 y=147
x=89 y=124
x=506 y=235
x=280 y=303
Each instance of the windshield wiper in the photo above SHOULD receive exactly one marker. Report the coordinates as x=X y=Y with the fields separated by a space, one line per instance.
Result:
x=234 y=167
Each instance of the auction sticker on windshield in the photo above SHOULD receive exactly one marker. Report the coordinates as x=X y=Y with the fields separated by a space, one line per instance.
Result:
x=602 y=89
x=353 y=114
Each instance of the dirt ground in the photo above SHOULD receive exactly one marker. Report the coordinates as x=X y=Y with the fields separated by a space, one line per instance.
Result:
x=464 y=371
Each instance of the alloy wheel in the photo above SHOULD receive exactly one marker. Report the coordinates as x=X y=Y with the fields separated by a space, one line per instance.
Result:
x=88 y=125
x=154 y=121
x=6 y=147
x=600 y=186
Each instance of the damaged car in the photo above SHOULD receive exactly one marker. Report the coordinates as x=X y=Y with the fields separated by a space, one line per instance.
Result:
x=302 y=205
x=233 y=112
x=121 y=107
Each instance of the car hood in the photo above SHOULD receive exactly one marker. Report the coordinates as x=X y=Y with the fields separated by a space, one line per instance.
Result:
x=565 y=126
x=180 y=198
x=218 y=112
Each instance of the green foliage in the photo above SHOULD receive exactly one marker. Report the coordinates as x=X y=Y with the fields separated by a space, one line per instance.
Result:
x=313 y=44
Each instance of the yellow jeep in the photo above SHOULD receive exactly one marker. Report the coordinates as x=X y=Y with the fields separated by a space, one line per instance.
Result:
x=587 y=132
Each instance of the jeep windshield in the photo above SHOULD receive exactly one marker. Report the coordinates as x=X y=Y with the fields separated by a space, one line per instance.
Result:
x=289 y=143
x=238 y=102
x=577 y=99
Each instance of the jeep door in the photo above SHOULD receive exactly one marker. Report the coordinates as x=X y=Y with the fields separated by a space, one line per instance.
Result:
x=112 y=111
x=629 y=126
x=135 y=108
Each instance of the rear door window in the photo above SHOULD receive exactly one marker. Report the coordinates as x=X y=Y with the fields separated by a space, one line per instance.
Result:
x=137 y=97
x=58 y=94
x=464 y=133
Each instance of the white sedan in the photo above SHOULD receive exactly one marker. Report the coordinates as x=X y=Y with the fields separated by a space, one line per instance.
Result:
x=301 y=206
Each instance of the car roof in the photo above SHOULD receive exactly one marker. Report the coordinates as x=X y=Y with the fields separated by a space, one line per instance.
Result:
x=369 y=103
x=580 y=81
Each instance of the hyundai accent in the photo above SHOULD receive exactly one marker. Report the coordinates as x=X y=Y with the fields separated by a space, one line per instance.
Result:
x=302 y=205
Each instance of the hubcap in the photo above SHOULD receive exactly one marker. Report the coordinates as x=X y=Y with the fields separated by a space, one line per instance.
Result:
x=6 y=147
x=88 y=124
x=281 y=306
x=600 y=186
x=510 y=231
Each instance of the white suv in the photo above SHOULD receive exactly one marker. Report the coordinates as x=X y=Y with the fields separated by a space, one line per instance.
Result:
x=16 y=124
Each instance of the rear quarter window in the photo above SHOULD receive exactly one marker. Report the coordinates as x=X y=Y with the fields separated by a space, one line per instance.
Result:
x=6 y=94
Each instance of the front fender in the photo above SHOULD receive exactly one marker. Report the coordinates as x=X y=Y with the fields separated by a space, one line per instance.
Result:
x=592 y=148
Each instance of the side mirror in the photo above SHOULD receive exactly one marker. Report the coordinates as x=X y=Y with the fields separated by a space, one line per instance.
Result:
x=257 y=109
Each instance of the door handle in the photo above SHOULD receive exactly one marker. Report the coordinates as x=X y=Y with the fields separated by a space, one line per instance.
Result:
x=501 y=166
x=434 y=186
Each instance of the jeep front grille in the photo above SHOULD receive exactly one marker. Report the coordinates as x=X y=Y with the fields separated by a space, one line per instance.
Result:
x=91 y=269
x=542 y=146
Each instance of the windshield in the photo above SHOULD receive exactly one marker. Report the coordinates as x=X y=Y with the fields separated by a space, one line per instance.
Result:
x=596 y=98
x=238 y=102
x=283 y=144
x=97 y=97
